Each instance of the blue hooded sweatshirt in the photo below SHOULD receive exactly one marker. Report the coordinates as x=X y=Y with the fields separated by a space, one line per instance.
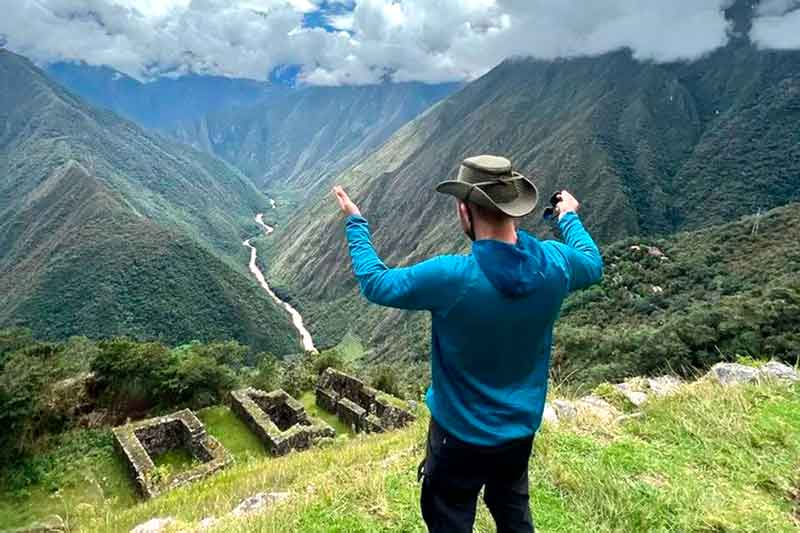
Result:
x=492 y=314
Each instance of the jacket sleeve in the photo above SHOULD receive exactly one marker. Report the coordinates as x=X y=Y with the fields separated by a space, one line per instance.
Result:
x=421 y=286
x=584 y=263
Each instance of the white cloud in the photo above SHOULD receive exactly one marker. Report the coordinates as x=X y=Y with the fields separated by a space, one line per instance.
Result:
x=778 y=27
x=422 y=40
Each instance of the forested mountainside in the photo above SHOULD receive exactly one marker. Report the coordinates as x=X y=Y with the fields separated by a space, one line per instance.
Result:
x=158 y=104
x=648 y=148
x=107 y=230
x=300 y=138
x=670 y=304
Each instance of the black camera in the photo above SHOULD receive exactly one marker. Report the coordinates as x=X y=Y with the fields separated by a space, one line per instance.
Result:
x=550 y=211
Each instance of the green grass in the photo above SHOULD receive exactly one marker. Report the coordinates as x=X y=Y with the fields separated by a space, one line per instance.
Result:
x=81 y=472
x=309 y=402
x=232 y=433
x=709 y=459
x=175 y=460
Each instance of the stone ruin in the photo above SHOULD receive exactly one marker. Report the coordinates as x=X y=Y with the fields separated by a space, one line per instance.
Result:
x=280 y=421
x=363 y=408
x=140 y=442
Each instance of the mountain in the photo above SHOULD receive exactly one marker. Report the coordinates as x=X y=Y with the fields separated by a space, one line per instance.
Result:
x=648 y=148
x=107 y=230
x=299 y=138
x=159 y=104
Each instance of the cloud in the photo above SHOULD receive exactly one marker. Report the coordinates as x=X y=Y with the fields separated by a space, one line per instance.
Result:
x=778 y=25
x=366 y=41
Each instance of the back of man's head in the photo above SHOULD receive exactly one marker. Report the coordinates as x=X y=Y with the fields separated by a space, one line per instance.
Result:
x=489 y=215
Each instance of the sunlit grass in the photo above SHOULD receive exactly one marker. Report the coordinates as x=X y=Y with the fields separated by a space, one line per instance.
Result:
x=708 y=459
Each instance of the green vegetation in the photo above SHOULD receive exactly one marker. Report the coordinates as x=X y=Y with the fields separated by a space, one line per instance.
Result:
x=232 y=433
x=708 y=459
x=107 y=230
x=173 y=462
x=309 y=401
x=47 y=389
x=700 y=297
x=77 y=470
x=686 y=302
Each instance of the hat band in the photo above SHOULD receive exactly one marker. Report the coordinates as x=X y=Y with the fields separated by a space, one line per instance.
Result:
x=502 y=197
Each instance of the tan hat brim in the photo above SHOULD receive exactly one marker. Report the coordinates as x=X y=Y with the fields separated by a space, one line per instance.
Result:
x=523 y=205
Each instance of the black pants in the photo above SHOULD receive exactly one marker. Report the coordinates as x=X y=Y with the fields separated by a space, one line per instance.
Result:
x=454 y=472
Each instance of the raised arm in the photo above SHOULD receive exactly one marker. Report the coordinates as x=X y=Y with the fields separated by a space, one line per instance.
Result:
x=584 y=264
x=422 y=286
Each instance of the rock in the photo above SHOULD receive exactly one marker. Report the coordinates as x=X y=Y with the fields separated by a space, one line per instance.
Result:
x=637 y=398
x=779 y=371
x=655 y=252
x=549 y=415
x=206 y=523
x=154 y=525
x=663 y=385
x=597 y=407
x=733 y=373
x=258 y=502
x=565 y=410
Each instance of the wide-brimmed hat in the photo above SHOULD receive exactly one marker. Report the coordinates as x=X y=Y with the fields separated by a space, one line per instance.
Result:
x=490 y=181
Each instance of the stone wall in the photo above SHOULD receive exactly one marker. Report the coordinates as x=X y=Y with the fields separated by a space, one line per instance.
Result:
x=141 y=441
x=361 y=407
x=280 y=421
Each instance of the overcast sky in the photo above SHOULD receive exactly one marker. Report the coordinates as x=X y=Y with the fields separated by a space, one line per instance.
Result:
x=365 y=41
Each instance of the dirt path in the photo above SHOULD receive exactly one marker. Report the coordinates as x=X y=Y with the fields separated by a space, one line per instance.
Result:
x=297 y=318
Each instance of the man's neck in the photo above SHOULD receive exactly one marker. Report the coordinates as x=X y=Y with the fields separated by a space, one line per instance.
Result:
x=506 y=233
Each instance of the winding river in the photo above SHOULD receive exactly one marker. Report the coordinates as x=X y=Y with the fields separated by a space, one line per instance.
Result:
x=297 y=319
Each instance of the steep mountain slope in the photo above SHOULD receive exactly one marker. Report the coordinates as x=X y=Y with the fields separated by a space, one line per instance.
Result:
x=297 y=138
x=107 y=230
x=649 y=149
x=159 y=104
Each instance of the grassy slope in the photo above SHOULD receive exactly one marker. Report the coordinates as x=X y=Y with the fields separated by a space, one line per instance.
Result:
x=708 y=459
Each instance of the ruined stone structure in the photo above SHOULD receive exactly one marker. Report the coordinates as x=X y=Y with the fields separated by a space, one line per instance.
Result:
x=361 y=407
x=279 y=420
x=140 y=442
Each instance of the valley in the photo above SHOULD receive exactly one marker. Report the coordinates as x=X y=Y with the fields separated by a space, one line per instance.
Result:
x=297 y=320
x=174 y=269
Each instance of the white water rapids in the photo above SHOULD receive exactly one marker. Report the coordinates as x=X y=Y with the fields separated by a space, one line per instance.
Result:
x=297 y=319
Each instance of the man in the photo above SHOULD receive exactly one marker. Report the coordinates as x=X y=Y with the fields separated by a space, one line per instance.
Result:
x=493 y=313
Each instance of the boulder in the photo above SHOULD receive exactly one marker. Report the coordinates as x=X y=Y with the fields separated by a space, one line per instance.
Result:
x=258 y=502
x=154 y=525
x=206 y=523
x=596 y=407
x=564 y=409
x=636 y=397
x=779 y=371
x=663 y=385
x=734 y=373
x=549 y=415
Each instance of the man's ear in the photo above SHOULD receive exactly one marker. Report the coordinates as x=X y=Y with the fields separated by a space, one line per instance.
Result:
x=463 y=216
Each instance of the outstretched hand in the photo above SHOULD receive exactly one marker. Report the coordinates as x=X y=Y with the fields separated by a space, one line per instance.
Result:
x=345 y=203
x=568 y=204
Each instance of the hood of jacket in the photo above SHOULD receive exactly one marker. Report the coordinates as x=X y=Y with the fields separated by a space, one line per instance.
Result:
x=516 y=270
